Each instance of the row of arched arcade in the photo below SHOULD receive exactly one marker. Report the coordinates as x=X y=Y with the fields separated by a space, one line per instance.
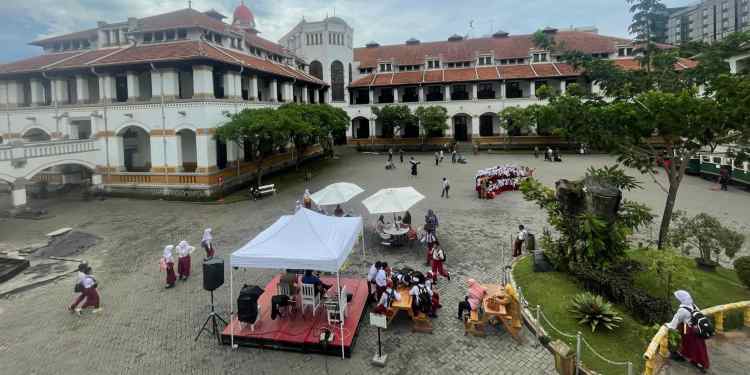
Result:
x=461 y=127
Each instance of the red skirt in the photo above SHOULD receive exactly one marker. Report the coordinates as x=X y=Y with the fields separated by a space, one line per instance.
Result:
x=171 y=277
x=92 y=298
x=693 y=348
x=183 y=266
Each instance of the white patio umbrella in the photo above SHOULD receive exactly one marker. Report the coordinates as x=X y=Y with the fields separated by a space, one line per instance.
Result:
x=340 y=192
x=392 y=200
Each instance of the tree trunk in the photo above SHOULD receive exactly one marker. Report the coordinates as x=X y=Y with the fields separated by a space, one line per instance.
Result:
x=259 y=172
x=675 y=174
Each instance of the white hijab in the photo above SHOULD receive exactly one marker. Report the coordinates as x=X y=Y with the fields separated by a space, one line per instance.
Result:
x=307 y=193
x=168 y=253
x=184 y=249
x=207 y=237
x=684 y=298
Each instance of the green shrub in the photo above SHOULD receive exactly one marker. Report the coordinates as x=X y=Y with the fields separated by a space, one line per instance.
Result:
x=594 y=311
x=742 y=268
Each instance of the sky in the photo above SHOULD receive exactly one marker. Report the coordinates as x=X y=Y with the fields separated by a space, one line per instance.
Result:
x=383 y=21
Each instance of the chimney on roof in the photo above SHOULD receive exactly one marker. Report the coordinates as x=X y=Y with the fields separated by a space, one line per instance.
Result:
x=412 y=41
x=455 y=38
x=500 y=34
x=372 y=44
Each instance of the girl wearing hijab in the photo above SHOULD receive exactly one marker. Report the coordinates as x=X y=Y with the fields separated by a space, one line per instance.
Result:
x=692 y=347
x=438 y=259
x=414 y=165
x=473 y=299
x=183 y=259
x=89 y=291
x=83 y=269
x=207 y=243
x=167 y=263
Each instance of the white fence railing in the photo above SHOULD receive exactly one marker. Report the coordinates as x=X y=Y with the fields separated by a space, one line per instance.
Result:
x=45 y=149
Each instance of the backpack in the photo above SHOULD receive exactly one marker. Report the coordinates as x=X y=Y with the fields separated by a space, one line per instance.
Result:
x=425 y=301
x=703 y=327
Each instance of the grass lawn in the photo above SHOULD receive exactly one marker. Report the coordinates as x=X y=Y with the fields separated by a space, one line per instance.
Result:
x=554 y=290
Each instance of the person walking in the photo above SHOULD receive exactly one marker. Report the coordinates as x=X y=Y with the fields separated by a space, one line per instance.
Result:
x=183 y=259
x=520 y=239
x=536 y=152
x=390 y=155
x=167 y=265
x=83 y=269
x=446 y=188
x=724 y=174
x=692 y=346
x=207 y=242
x=442 y=155
x=437 y=158
x=414 y=165
x=453 y=156
x=91 y=293
x=401 y=155
x=438 y=261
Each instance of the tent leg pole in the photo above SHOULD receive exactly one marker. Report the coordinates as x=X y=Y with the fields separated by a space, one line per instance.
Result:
x=364 y=254
x=342 y=299
x=231 y=305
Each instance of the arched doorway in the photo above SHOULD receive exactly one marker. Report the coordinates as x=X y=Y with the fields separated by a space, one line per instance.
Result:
x=337 y=81
x=36 y=135
x=187 y=154
x=461 y=127
x=316 y=69
x=410 y=131
x=136 y=149
x=360 y=128
x=58 y=178
x=221 y=154
x=487 y=124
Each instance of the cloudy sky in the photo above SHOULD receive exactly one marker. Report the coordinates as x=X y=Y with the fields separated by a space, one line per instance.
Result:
x=384 y=21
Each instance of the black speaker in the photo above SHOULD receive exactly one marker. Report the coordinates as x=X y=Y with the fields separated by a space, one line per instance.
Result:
x=213 y=273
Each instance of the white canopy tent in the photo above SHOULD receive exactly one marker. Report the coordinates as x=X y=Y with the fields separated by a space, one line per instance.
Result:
x=305 y=240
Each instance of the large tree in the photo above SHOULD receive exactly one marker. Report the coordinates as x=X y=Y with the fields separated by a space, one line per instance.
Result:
x=433 y=120
x=308 y=124
x=515 y=120
x=260 y=128
x=648 y=15
x=394 y=118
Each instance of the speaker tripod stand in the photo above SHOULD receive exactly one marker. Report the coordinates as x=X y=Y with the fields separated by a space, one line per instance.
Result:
x=213 y=316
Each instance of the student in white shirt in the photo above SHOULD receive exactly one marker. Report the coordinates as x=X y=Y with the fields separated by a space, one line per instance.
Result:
x=446 y=188
x=520 y=239
x=371 y=280
x=381 y=280
x=419 y=305
x=692 y=347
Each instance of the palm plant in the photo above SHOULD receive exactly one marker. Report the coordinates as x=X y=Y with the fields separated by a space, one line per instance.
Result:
x=594 y=311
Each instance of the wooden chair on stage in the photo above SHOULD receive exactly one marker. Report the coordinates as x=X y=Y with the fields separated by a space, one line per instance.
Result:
x=336 y=307
x=310 y=298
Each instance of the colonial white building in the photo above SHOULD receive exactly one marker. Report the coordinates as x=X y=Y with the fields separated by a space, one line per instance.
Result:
x=135 y=104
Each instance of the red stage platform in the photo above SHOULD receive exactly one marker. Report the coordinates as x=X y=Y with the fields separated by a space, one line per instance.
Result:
x=298 y=332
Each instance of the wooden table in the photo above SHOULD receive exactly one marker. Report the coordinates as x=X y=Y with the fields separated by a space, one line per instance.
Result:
x=404 y=304
x=501 y=314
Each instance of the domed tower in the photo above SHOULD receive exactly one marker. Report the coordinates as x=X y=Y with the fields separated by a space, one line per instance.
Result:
x=243 y=19
x=328 y=48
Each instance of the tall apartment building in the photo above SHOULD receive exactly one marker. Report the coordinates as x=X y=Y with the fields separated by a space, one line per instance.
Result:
x=709 y=21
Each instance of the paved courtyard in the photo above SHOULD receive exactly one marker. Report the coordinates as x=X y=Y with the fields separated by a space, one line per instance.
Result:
x=145 y=329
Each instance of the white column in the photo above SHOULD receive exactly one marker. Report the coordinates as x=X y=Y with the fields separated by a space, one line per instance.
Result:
x=447 y=97
x=37 y=92
x=228 y=82
x=532 y=89
x=304 y=93
x=373 y=127
x=134 y=87
x=237 y=85
x=284 y=91
x=502 y=90
x=60 y=91
x=65 y=129
x=171 y=84
x=19 y=195
x=174 y=152
x=116 y=150
x=421 y=94
x=156 y=142
x=83 y=95
x=71 y=128
x=253 y=88
x=475 y=126
x=106 y=88
x=449 y=121
x=274 y=97
x=203 y=82
x=328 y=95
x=205 y=151
x=395 y=95
x=15 y=93
x=474 y=90
x=371 y=92
x=315 y=96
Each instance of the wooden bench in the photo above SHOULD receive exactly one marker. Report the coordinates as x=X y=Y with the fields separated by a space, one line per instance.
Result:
x=262 y=191
x=473 y=325
x=422 y=323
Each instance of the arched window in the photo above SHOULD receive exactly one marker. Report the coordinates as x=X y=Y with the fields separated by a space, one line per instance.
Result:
x=316 y=69
x=337 y=81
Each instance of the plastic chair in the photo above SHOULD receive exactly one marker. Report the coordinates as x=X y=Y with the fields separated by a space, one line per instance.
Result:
x=336 y=308
x=310 y=298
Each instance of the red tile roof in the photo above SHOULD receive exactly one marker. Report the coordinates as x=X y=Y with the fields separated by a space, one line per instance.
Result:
x=487 y=73
x=156 y=52
x=407 y=78
x=516 y=71
x=460 y=75
x=433 y=76
x=35 y=63
x=634 y=64
x=545 y=70
x=515 y=46
x=86 y=58
x=258 y=42
x=182 y=19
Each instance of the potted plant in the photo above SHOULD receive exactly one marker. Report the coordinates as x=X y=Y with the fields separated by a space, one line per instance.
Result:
x=708 y=236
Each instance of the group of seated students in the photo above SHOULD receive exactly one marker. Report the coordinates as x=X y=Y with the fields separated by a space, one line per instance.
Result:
x=385 y=285
x=289 y=278
x=400 y=222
